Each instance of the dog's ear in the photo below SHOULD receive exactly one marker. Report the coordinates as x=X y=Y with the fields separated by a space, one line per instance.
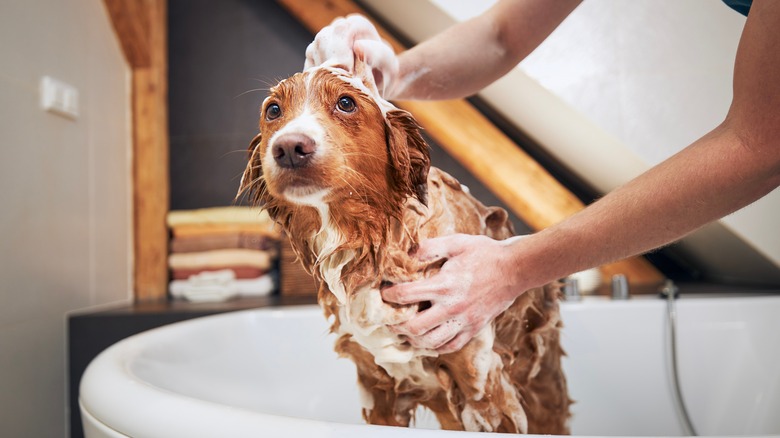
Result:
x=410 y=157
x=252 y=180
x=497 y=223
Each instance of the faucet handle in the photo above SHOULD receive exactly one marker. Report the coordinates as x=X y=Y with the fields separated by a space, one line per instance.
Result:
x=620 y=287
x=571 y=289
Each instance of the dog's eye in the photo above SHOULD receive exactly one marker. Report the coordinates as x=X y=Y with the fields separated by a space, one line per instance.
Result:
x=273 y=112
x=346 y=104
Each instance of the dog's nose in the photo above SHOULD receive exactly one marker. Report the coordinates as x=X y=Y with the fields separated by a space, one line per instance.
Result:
x=293 y=150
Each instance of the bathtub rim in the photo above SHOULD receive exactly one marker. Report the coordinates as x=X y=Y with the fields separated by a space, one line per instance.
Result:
x=111 y=367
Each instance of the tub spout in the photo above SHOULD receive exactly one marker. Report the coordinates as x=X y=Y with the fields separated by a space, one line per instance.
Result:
x=669 y=288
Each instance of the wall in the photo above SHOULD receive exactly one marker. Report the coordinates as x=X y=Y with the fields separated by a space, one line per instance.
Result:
x=222 y=60
x=65 y=216
x=631 y=83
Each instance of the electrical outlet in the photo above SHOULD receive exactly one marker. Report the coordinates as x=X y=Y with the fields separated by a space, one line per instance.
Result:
x=59 y=98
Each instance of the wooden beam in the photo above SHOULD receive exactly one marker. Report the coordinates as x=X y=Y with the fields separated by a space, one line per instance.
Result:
x=141 y=28
x=150 y=161
x=510 y=173
x=518 y=180
x=131 y=23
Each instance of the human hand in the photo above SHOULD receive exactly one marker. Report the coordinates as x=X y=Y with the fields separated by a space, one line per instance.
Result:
x=473 y=287
x=354 y=37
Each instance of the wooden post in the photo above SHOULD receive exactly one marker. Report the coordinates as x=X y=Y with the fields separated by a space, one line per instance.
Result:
x=511 y=174
x=141 y=28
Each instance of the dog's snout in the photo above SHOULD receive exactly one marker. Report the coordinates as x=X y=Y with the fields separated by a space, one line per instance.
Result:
x=293 y=150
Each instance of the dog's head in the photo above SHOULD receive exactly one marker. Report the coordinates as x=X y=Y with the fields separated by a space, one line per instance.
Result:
x=326 y=138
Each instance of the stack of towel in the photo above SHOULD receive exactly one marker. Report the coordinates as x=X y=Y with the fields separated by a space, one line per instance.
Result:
x=221 y=252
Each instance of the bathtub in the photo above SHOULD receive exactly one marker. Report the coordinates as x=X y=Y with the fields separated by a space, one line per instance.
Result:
x=272 y=373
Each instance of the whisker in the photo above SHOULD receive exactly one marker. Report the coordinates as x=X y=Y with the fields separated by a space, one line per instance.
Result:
x=370 y=186
x=362 y=156
x=236 y=151
x=267 y=82
x=251 y=91
x=363 y=196
x=252 y=185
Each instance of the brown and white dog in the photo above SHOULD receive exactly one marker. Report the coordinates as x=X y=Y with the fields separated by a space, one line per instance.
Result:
x=348 y=177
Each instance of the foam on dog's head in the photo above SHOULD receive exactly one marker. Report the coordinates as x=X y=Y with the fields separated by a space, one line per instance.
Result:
x=362 y=79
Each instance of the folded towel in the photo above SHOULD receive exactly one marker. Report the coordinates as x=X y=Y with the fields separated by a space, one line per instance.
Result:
x=240 y=272
x=219 y=286
x=256 y=241
x=257 y=287
x=221 y=258
x=188 y=230
x=219 y=215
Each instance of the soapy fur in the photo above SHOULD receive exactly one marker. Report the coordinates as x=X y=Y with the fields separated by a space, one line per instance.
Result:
x=355 y=214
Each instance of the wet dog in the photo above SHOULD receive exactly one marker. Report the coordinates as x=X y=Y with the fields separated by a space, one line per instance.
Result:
x=347 y=176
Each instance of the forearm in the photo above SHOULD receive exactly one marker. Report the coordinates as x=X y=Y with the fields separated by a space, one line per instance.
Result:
x=713 y=177
x=468 y=56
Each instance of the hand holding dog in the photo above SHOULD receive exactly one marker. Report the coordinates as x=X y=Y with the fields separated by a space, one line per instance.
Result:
x=474 y=285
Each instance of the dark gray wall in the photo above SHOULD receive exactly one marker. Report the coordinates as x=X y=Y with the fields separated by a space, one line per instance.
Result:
x=223 y=56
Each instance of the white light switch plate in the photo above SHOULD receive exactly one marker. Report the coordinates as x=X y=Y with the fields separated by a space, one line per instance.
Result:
x=59 y=98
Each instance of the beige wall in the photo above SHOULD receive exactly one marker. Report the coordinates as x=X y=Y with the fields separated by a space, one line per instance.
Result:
x=65 y=198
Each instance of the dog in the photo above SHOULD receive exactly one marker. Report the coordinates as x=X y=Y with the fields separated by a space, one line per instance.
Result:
x=347 y=175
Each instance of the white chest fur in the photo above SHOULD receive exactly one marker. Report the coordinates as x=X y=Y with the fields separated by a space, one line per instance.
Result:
x=366 y=318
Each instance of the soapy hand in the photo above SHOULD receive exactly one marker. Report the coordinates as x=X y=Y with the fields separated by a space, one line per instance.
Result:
x=351 y=38
x=471 y=289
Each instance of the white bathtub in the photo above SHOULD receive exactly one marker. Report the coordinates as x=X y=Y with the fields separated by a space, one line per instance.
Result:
x=272 y=373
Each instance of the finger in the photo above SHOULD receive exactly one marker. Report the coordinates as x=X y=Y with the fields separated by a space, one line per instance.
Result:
x=437 y=248
x=312 y=58
x=413 y=292
x=376 y=53
x=336 y=41
x=332 y=44
x=353 y=28
x=361 y=27
x=380 y=57
x=437 y=337
x=421 y=323
x=456 y=344
x=321 y=49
